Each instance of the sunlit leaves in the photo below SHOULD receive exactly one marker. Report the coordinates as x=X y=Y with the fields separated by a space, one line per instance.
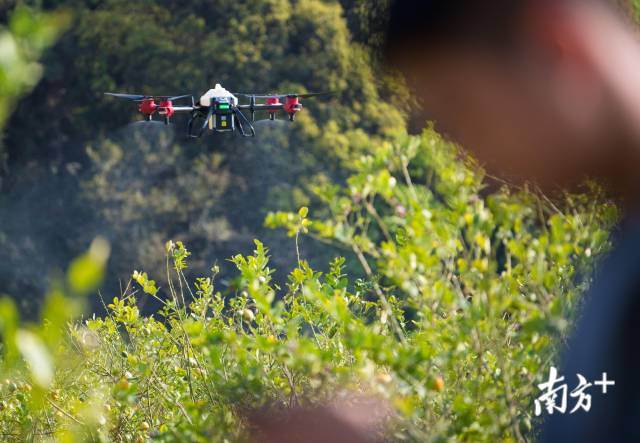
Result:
x=178 y=254
x=148 y=285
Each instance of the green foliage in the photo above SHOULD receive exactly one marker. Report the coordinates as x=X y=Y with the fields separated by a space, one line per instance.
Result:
x=488 y=284
x=467 y=293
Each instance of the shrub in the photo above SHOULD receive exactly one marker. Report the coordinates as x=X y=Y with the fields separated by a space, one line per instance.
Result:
x=467 y=294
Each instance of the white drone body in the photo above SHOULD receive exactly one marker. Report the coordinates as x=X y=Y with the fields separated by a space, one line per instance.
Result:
x=217 y=92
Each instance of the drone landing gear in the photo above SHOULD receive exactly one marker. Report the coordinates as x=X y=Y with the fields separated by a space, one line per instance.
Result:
x=240 y=119
x=198 y=117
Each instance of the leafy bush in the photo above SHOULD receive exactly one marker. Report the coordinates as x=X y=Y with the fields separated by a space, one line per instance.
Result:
x=467 y=294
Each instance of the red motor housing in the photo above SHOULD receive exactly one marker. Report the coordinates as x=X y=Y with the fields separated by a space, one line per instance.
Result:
x=147 y=107
x=292 y=105
x=166 y=108
x=272 y=101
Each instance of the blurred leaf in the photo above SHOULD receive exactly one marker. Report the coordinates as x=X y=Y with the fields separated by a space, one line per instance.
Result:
x=87 y=271
x=37 y=357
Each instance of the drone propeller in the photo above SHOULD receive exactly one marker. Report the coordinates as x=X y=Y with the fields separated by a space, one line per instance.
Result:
x=172 y=98
x=244 y=94
x=139 y=97
x=128 y=96
x=310 y=94
x=262 y=96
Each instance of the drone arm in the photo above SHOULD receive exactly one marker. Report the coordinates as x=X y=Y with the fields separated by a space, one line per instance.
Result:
x=184 y=108
x=262 y=107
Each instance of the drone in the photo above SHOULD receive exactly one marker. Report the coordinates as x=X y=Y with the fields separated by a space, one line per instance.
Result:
x=218 y=109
